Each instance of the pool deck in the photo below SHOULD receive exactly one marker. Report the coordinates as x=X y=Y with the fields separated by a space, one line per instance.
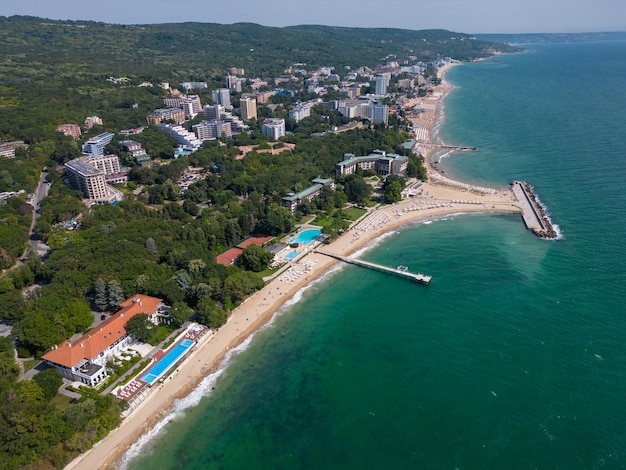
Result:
x=137 y=387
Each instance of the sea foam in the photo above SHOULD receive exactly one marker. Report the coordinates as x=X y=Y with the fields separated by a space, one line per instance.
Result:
x=376 y=241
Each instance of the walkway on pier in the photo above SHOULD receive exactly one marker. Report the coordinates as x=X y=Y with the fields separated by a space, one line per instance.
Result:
x=529 y=213
x=453 y=147
x=419 y=278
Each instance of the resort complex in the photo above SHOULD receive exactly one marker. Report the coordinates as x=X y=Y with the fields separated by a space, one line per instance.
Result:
x=84 y=359
x=292 y=200
x=384 y=164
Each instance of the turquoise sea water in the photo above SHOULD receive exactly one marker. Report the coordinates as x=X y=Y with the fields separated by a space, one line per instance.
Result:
x=514 y=357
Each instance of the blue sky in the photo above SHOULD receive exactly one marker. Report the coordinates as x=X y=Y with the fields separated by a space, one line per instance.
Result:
x=468 y=16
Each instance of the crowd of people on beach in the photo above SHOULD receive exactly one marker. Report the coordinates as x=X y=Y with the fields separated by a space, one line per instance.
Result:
x=298 y=270
x=377 y=219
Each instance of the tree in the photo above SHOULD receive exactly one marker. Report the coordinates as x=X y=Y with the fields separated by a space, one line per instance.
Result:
x=180 y=312
x=357 y=188
x=139 y=327
x=172 y=291
x=183 y=280
x=196 y=266
x=8 y=366
x=340 y=199
x=100 y=295
x=116 y=294
x=140 y=283
x=76 y=316
x=49 y=380
x=151 y=246
x=255 y=258
x=233 y=231
x=11 y=305
x=38 y=333
x=210 y=314
x=191 y=207
x=277 y=220
x=415 y=168
x=239 y=285
x=393 y=192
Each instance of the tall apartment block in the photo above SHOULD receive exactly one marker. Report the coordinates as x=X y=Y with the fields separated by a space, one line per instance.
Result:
x=213 y=112
x=87 y=179
x=380 y=113
x=108 y=164
x=222 y=96
x=217 y=112
x=381 y=85
x=303 y=110
x=190 y=104
x=95 y=147
x=170 y=114
x=208 y=130
x=248 y=108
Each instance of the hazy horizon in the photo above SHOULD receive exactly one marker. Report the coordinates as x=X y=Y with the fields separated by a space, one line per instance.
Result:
x=471 y=17
x=607 y=31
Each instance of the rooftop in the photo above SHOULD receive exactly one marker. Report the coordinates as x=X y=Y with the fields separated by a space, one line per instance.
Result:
x=90 y=345
x=83 y=168
x=303 y=194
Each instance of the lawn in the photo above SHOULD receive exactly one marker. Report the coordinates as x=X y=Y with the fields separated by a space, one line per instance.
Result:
x=159 y=333
x=30 y=363
x=323 y=220
x=353 y=213
x=269 y=271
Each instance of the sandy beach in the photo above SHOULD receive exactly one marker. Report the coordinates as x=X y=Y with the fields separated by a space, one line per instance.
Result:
x=437 y=198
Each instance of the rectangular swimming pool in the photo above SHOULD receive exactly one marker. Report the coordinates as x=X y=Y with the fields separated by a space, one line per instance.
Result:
x=166 y=362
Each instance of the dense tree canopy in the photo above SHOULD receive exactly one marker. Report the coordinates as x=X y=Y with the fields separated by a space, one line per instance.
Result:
x=357 y=189
x=255 y=258
x=392 y=188
x=139 y=327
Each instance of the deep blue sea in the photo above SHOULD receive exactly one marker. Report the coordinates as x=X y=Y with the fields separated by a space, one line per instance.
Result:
x=513 y=358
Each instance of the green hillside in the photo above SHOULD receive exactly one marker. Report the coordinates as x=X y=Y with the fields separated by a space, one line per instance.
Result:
x=34 y=46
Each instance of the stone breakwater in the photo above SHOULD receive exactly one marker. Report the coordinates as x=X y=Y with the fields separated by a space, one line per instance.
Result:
x=533 y=211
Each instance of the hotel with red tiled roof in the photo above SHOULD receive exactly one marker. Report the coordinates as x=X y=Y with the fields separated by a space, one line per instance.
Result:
x=84 y=359
x=230 y=256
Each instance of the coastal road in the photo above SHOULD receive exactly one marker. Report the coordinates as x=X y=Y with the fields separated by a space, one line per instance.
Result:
x=42 y=191
x=34 y=243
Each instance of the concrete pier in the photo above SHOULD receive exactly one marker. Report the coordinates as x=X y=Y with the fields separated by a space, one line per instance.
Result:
x=533 y=213
x=419 y=278
x=455 y=147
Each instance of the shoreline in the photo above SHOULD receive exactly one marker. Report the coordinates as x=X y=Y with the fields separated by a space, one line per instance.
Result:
x=435 y=200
